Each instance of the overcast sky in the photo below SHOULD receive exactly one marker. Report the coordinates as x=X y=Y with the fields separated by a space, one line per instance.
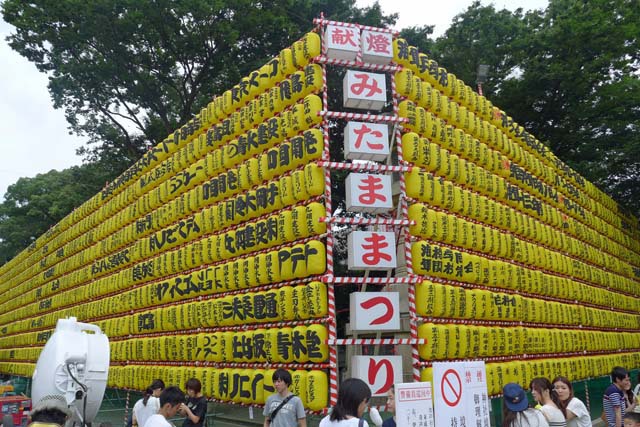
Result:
x=35 y=139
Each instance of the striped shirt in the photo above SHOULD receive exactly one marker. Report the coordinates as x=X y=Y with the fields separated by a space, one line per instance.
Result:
x=613 y=397
x=554 y=416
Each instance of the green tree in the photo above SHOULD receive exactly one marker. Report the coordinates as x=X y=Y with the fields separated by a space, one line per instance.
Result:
x=32 y=205
x=579 y=90
x=129 y=72
x=484 y=35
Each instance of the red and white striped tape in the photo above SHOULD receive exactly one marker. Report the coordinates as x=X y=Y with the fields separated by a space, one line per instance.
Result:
x=356 y=64
x=370 y=167
x=370 y=280
x=377 y=118
x=377 y=341
x=367 y=221
x=322 y=21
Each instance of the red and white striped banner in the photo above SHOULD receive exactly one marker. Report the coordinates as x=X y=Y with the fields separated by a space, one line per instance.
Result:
x=370 y=280
x=322 y=21
x=366 y=117
x=355 y=64
x=377 y=341
x=366 y=221
x=370 y=167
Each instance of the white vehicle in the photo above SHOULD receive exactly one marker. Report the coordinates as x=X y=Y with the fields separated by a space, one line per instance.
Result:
x=74 y=363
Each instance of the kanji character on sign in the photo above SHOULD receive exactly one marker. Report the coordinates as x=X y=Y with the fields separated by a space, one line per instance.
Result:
x=376 y=47
x=343 y=36
x=378 y=43
x=342 y=43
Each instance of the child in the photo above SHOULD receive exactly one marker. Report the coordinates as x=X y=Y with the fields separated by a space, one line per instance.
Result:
x=631 y=419
x=283 y=408
x=195 y=410
x=171 y=399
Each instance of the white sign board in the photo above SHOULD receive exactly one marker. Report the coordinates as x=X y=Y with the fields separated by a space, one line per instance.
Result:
x=342 y=42
x=414 y=405
x=374 y=311
x=377 y=48
x=460 y=391
x=379 y=372
x=367 y=192
x=371 y=250
x=366 y=141
x=364 y=90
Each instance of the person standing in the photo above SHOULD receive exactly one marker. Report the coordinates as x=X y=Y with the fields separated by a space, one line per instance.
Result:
x=353 y=398
x=577 y=413
x=613 y=400
x=283 y=408
x=149 y=404
x=391 y=407
x=516 y=411
x=552 y=408
x=171 y=399
x=195 y=409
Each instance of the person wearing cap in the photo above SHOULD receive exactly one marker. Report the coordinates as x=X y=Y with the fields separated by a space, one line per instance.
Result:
x=516 y=411
x=50 y=411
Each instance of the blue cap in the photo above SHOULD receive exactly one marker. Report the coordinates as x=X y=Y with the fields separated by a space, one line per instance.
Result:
x=514 y=397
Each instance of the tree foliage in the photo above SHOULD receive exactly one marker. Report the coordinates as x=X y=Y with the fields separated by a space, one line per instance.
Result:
x=129 y=72
x=569 y=74
x=32 y=205
x=484 y=35
x=579 y=91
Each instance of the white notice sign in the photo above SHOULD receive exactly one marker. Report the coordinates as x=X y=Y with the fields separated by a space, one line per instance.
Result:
x=460 y=394
x=414 y=405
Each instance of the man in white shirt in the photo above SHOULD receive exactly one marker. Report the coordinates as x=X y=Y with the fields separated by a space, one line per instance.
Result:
x=170 y=400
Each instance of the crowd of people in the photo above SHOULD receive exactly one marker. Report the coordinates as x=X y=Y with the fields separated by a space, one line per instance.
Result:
x=159 y=404
x=555 y=405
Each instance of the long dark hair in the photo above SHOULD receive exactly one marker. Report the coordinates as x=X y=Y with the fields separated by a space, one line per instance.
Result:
x=566 y=382
x=156 y=384
x=147 y=394
x=509 y=416
x=540 y=384
x=352 y=392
